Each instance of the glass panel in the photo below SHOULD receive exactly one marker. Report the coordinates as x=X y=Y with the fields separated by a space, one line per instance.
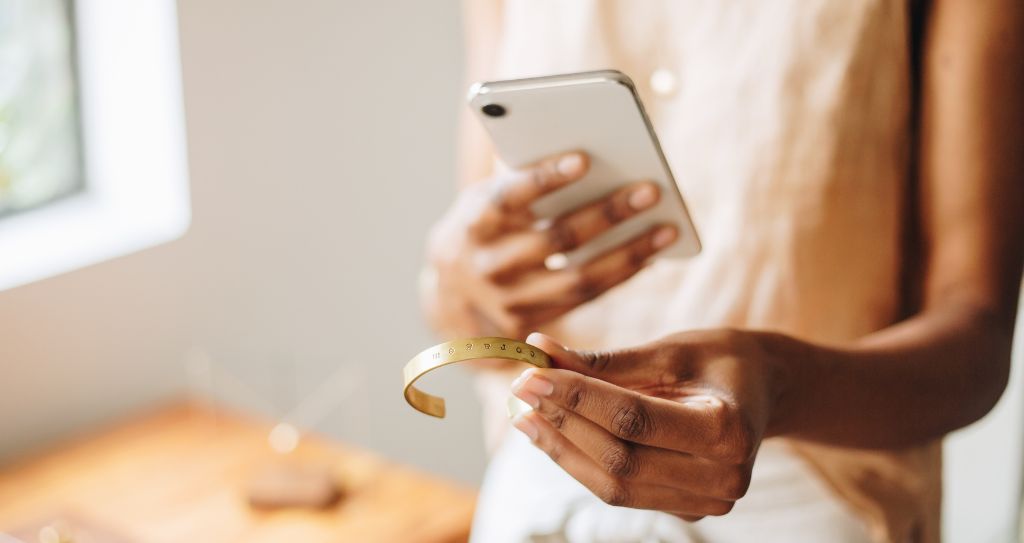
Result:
x=40 y=147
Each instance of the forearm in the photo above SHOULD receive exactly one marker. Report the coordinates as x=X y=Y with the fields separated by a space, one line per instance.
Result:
x=947 y=366
x=907 y=384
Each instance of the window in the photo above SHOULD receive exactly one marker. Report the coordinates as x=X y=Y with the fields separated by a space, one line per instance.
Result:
x=92 y=153
x=40 y=154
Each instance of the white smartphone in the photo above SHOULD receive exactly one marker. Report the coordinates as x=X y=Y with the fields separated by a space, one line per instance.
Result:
x=600 y=114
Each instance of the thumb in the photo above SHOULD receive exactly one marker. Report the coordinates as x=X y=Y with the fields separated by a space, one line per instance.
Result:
x=625 y=367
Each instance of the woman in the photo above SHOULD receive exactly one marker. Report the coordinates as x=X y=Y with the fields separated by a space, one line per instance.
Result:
x=854 y=171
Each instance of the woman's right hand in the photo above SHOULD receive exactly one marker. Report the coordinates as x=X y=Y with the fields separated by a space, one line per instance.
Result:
x=489 y=254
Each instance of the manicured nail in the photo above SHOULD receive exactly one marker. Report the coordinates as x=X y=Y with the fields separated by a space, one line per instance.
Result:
x=518 y=382
x=570 y=165
x=643 y=197
x=536 y=337
x=526 y=396
x=663 y=237
x=526 y=426
x=530 y=387
x=515 y=407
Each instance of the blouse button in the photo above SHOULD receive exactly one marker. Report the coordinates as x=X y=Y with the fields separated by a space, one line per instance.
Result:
x=663 y=82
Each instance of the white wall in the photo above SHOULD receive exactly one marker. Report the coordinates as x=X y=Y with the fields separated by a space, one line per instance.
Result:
x=321 y=141
x=983 y=464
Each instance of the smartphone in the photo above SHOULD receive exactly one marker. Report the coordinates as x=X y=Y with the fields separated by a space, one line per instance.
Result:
x=600 y=114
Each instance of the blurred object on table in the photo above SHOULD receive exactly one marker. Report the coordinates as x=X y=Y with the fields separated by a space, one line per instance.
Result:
x=293 y=485
x=181 y=474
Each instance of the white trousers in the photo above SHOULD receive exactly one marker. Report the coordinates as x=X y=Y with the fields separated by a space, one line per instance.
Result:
x=527 y=498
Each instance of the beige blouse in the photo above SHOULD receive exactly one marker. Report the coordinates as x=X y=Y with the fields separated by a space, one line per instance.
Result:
x=786 y=125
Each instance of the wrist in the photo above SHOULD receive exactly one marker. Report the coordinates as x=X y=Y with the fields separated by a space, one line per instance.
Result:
x=794 y=373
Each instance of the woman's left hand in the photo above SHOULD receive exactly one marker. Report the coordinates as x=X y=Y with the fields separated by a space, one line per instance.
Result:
x=673 y=425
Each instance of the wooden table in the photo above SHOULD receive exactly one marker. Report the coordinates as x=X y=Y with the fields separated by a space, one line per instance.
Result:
x=179 y=475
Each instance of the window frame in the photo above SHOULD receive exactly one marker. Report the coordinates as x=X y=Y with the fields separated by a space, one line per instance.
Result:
x=135 y=193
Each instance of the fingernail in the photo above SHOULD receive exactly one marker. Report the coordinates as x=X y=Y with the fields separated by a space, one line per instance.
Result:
x=663 y=237
x=570 y=165
x=526 y=426
x=643 y=197
x=515 y=407
x=530 y=387
x=536 y=337
x=518 y=381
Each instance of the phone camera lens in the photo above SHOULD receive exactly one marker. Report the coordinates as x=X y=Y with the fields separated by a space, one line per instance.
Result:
x=493 y=110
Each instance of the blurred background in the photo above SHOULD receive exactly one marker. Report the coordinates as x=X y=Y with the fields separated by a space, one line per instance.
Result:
x=320 y=148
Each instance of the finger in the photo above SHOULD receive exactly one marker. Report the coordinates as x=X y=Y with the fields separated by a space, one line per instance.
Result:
x=704 y=426
x=647 y=465
x=506 y=259
x=581 y=225
x=516 y=190
x=512 y=193
x=631 y=368
x=605 y=486
x=519 y=189
x=617 y=265
x=566 y=289
x=529 y=249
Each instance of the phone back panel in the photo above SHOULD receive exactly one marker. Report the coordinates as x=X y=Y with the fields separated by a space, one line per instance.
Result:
x=598 y=113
